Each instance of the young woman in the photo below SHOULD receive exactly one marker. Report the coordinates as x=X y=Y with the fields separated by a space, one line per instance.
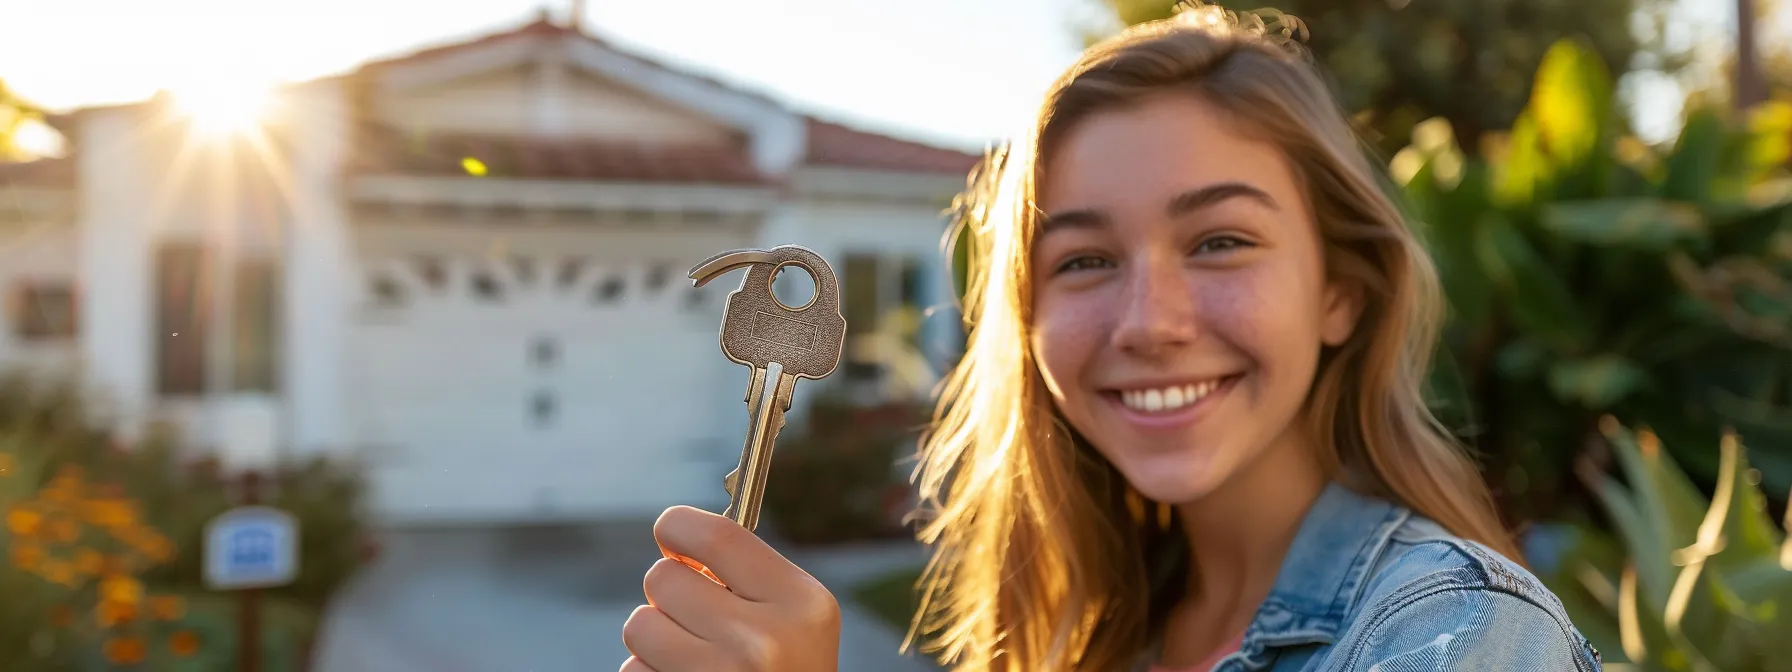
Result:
x=1189 y=431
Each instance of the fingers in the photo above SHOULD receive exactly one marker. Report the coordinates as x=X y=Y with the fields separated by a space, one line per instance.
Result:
x=658 y=643
x=738 y=558
x=634 y=664
x=691 y=600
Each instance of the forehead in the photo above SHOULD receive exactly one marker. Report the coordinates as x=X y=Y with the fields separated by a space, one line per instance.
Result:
x=1144 y=154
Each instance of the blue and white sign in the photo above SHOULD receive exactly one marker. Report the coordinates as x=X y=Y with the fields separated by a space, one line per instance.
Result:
x=251 y=547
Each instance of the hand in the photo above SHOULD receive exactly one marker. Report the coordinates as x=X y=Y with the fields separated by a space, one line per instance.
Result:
x=724 y=601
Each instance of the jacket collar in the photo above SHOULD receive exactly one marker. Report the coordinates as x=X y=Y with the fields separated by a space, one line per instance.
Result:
x=1324 y=572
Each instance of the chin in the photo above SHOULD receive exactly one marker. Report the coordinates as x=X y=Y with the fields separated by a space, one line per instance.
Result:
x=1176 y=478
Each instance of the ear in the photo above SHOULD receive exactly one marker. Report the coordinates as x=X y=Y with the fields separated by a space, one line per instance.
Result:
x=1343 y=307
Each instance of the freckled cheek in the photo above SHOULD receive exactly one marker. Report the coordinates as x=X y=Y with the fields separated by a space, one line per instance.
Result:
x=1066 y=337
x=1232 y=310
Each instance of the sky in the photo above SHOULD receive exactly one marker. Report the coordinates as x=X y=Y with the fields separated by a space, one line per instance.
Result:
x=959 y=72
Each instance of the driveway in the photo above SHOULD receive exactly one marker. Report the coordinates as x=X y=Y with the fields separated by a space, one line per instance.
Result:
x=546 y=599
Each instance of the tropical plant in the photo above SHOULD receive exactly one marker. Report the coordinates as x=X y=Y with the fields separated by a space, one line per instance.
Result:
x=1690 y=583
x=1589 y=274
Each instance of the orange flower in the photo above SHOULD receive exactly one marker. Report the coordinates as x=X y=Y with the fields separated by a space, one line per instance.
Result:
x=62 y=572
x=64 y=530
x=126 y=650
x=122 y=589
x=108 y=613
x=27 y=556
x=23 y=522
x=157 y=548
x=89 y=562
x=61 y=616
x=166 y=607
x=184 y=643
x=110 y=513
x=116 y=564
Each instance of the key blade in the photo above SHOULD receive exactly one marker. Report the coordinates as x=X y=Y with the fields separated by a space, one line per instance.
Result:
x=769 y=400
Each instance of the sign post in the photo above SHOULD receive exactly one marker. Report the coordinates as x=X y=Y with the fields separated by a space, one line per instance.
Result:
x=248 y=549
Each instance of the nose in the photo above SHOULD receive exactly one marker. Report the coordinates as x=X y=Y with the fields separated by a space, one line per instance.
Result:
x=1157 y=308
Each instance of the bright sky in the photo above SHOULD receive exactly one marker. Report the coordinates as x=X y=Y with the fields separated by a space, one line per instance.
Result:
x=960 y=71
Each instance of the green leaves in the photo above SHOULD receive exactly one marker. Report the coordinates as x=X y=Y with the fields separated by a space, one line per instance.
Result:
x=1643 y=223
x=1596 y=383
x=1591 y=274
x=1571 y=103
x=1704 y=587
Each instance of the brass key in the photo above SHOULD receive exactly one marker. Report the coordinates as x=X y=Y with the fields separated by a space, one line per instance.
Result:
x=781 y=343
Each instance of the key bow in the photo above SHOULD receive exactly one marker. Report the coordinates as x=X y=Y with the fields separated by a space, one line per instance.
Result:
x=758 y=328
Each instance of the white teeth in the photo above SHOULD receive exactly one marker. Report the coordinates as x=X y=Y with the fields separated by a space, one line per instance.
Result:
x=1167 y=398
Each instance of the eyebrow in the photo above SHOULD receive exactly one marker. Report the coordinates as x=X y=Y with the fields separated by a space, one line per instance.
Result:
x=1183 y=204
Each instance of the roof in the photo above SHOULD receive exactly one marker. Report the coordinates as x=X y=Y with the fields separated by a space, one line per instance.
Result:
x=388 y=148
x=56 y=172
x=831 y=144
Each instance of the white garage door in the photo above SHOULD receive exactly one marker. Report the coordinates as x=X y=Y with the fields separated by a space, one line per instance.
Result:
x=490 y=394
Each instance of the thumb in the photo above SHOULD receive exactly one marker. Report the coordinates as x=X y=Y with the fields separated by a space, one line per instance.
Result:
x=727 y=553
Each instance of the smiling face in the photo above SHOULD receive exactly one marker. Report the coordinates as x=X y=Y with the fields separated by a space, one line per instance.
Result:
x=1180 y=300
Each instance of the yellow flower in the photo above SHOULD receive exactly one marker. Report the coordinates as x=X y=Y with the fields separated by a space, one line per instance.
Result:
x=23 y=522
x=122 y=589
x=125 y=650
x=166 y=607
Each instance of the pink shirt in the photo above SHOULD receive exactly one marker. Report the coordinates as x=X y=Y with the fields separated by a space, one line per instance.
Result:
x=1206 y=664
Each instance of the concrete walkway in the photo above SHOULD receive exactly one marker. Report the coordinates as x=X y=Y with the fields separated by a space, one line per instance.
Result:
x=550 y=599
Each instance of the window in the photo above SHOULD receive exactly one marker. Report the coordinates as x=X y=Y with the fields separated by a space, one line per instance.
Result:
x=542 y=408
x=610 y=290
x=545 y=352
x=43 y=311
x=486 y=287
x=184 y=322
x=882 y=297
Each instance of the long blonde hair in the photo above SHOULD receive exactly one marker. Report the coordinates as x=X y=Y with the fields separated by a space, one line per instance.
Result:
x=1038 y=564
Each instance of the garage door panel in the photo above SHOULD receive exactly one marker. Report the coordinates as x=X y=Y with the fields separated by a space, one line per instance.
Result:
x=525 y=410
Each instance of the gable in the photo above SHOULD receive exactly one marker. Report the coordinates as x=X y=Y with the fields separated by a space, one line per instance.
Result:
x=548 y=81
x=545 y=98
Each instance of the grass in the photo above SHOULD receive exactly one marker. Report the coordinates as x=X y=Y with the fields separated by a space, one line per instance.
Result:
x=892 y=597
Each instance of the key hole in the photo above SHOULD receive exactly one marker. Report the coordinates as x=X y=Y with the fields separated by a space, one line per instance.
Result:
x=793 y=291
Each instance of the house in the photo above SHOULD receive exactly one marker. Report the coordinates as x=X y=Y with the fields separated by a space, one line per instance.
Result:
x=463 y=268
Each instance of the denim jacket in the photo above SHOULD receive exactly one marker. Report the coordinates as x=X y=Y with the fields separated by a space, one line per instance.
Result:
x=1368 y=586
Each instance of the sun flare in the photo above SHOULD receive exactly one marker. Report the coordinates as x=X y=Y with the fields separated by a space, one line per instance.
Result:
x=224 y=105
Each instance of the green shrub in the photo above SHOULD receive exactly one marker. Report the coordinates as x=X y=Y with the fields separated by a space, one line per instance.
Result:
x=839 y=480
x=103 y=544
